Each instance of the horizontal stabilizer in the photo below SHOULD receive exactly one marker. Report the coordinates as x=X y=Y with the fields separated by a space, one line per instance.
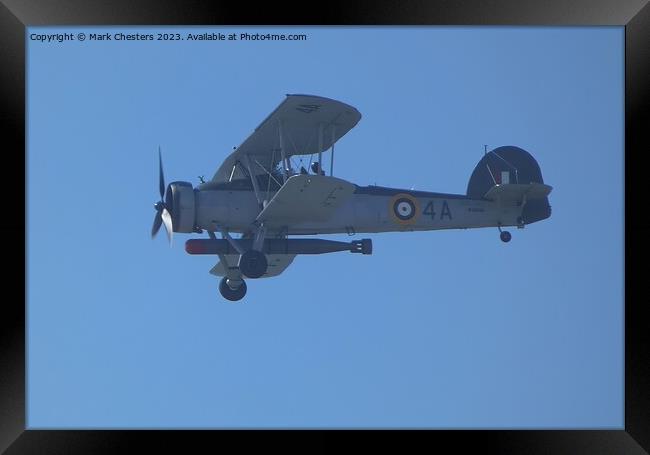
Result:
x=305 y=198
x=514 y=193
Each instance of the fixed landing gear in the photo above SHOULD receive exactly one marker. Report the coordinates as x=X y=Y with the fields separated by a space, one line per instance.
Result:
x=253 y=264
x=505 y=235
x=229 y=293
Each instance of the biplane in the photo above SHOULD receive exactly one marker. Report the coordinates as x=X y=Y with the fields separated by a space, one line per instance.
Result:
x=260 y=194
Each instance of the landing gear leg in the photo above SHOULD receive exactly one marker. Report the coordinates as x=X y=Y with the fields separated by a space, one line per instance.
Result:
x=230 y=293
x=505 y=235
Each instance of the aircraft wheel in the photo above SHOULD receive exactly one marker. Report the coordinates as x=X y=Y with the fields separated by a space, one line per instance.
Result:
x=231 y=294
x=253 y=264
x=505 y=236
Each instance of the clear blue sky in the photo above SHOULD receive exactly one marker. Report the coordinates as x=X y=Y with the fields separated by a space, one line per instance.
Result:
x=443 y=329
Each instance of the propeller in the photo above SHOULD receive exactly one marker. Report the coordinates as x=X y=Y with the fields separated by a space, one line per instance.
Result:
x=162 y=211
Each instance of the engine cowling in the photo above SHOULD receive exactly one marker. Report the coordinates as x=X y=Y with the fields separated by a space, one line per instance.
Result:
x=181 y=205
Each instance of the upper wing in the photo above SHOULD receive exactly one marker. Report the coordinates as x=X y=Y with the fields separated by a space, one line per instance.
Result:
x=300 y=118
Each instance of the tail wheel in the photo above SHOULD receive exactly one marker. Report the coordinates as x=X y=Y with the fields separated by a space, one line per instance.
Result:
x=505 y=236
x=231 y=294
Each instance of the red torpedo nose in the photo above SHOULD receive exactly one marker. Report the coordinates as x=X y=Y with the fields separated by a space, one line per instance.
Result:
x=193 y=246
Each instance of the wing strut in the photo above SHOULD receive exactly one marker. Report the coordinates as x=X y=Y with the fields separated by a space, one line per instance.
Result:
x=285 y=166
x=233 y=274
x=320 y=147
x=235 y=245
x=258 y=243
x=332 y=156
x=253 y=177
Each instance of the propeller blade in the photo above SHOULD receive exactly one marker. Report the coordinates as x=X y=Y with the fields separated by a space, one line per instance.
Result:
x=161 y=178
x=157 y=221
x=167 y=220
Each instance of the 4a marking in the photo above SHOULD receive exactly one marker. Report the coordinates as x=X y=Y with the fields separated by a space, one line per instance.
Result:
x=429 y=210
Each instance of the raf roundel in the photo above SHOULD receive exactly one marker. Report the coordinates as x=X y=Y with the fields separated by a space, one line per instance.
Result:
x=404 y=208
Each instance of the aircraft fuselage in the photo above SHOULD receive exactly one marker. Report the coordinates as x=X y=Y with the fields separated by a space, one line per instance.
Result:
x=370 y=209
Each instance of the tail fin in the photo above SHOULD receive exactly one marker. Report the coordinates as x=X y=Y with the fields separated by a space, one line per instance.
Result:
x=508 y=165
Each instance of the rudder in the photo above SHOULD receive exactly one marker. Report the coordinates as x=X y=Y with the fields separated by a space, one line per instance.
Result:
x=509 y=164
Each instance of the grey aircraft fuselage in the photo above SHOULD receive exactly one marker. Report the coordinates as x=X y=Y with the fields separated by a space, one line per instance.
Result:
x=370 y=209
x=505 y=189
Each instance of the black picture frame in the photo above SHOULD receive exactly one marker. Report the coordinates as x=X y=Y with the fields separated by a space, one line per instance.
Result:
x=16 y=15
